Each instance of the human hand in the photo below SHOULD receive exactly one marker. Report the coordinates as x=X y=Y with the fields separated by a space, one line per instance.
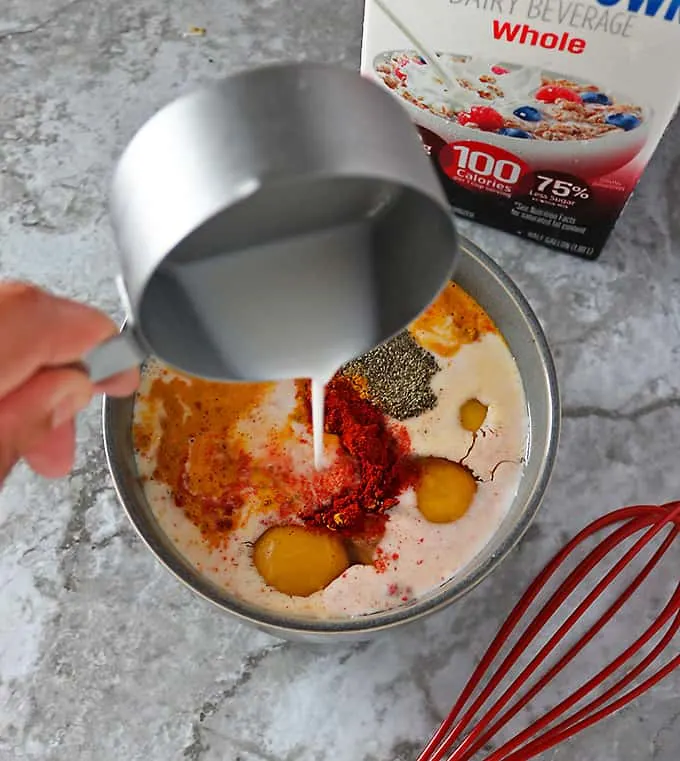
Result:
x=42 y=338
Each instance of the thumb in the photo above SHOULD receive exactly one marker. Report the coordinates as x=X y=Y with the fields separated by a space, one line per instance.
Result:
x=42 y=404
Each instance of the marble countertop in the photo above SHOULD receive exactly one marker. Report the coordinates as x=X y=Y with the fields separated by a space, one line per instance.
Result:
x=103 y=655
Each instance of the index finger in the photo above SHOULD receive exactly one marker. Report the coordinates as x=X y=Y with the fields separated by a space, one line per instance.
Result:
x=38 y=329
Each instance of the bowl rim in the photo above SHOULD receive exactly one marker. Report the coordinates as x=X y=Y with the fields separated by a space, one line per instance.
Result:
x=278 y=624
x=640 y=132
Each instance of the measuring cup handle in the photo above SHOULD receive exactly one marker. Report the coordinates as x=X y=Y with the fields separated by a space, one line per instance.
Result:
x=115 y=355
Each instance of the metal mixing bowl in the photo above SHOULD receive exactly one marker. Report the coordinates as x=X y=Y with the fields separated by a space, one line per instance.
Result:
x=488 y=284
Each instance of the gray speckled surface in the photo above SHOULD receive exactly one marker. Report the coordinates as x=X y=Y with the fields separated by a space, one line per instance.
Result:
x=103 y=655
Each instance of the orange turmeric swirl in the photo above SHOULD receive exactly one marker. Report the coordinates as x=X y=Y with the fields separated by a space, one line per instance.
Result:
x=453 y=320
x=199 y=450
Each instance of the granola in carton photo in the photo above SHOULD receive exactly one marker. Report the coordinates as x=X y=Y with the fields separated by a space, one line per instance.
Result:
x=539 y=115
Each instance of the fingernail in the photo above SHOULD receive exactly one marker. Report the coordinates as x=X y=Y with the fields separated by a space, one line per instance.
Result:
x=67 y=407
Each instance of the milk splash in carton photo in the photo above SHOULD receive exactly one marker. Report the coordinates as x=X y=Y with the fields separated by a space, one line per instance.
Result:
x=539 y=115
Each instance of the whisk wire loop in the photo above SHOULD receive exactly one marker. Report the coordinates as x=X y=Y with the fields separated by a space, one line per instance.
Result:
x=450 y=740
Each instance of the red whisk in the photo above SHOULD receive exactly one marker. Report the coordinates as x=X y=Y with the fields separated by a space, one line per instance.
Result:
x=460 y=737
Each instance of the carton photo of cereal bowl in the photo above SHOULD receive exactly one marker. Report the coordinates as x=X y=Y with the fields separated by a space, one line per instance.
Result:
x=548 y=120
x=438 y=448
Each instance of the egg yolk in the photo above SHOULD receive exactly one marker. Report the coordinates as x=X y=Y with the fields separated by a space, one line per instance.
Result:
x=473 y=415
x=298 y=562
x=445 y=490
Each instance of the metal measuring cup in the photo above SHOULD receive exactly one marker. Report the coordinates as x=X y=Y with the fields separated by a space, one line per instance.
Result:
x=274 y=225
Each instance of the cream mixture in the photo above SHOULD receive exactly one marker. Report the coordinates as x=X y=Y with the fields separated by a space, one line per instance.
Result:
x=416 y=556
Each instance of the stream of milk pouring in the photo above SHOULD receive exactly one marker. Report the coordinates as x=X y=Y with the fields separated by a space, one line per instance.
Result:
x=318 y=406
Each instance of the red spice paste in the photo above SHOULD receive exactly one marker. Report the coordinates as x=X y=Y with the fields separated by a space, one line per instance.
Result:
x=380 y=456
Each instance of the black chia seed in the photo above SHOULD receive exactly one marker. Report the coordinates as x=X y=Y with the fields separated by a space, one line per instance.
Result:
x=398 y=375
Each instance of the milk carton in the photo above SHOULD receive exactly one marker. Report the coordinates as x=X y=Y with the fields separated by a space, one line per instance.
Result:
x=539 y=115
